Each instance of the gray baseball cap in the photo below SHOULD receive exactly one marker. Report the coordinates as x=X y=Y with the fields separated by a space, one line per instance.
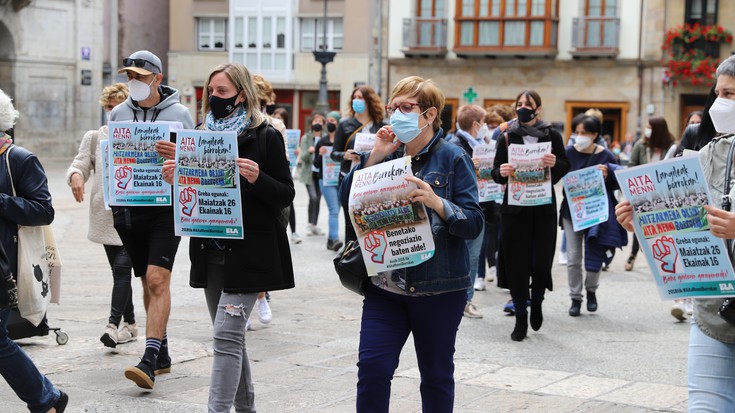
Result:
x=142 y=62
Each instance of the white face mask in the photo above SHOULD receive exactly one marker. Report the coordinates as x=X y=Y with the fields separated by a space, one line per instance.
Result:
x=583 y=142
x=138 y=90
x=647 y=132
x=483 y=133
x=722 y=113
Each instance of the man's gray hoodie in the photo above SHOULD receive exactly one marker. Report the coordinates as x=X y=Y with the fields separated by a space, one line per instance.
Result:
x=168 y=109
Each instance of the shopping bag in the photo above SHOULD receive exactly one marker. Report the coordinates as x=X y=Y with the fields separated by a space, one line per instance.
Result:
x=33 y=274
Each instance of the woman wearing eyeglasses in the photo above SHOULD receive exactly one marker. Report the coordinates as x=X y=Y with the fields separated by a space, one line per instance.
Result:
x=528 y=233
x=426 y=300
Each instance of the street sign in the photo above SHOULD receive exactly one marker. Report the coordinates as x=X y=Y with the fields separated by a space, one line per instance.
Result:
x=86 y=77
x=86 y=53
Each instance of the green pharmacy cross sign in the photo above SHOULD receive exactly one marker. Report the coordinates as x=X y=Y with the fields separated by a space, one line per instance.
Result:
x=470 y=95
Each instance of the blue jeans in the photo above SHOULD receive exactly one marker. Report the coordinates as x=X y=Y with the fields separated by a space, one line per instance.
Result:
x=474 y=246
x=711 y=375
x=330 y=195
x=387 y=320
x=22 y=375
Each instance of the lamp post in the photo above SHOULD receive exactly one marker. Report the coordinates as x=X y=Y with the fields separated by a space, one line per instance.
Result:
x=323 y=56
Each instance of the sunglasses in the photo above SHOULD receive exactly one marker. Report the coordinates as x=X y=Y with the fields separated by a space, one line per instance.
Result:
x=128 y=62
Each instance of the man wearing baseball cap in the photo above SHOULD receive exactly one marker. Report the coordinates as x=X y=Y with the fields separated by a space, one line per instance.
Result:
x=147 y=232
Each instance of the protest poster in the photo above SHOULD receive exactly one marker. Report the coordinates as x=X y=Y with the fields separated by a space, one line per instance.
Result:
x=292 y=143
x=587 y=197
x=483 y=157
x=207 y=185
x=364 y=142
x=330 y=168
x=105 y=173
x=668 y=197
x=530 y=184
x=393 y=231
x=135 y=167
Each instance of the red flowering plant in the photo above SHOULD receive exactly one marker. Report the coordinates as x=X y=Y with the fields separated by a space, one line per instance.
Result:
x=691 y=52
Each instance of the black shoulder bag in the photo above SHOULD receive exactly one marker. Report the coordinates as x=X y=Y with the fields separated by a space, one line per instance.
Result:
x=349 y=265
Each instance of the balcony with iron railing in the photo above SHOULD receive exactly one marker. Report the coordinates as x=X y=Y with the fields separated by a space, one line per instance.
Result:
x=424 y=36
x=595 y=36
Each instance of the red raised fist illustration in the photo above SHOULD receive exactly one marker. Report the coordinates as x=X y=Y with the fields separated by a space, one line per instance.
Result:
x=123 y=176
x=517 y=189
x=376 y=244
x=188 y=200
x=664 y=251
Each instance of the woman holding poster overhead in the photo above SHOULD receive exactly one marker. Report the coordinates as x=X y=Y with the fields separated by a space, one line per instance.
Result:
x=598 y=239
x=530 y=158
x=428 y=299
x=234 y=271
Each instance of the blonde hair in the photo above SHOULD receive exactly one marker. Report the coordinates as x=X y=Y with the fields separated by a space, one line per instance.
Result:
x=264 y=88
x=425 y=92
x=114 y=93
x=594 y=112
x=8 y=114
x=240 y=77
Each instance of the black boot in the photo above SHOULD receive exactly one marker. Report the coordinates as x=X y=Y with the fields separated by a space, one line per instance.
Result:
x=537 y=317
x=521 y=329
x=591 y=302
x=575 y=308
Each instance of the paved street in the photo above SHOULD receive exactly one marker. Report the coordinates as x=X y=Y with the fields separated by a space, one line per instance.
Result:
x=630 y=356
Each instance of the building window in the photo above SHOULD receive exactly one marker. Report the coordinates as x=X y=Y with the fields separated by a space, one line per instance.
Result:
x=260 y=42
x=501 y=24
x=211 y=33
x=703 y=12
x=312 y=34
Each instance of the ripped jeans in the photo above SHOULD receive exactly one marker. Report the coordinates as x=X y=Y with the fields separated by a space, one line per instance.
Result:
x=231 y=380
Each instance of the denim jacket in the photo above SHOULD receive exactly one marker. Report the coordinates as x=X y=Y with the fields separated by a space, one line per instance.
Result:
x=451 y=175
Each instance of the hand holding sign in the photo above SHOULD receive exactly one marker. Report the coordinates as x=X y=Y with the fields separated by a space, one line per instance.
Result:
x=188 y=200
x=123 y=176
x=664 y=250
x=376 y=244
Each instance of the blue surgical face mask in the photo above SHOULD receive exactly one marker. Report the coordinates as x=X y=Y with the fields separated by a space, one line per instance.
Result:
x=358 y=105
x=406 y=126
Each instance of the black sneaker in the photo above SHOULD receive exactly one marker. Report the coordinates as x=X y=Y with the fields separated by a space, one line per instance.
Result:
x=60 y=405
x=143 y=374
x=334 y=244
x=163 y=365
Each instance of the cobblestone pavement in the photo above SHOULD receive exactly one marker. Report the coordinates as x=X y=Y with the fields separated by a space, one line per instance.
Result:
x=629 y=356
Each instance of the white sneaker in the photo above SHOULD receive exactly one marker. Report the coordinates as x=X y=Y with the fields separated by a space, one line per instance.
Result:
x=490 y=274
x=109 y=338
x=479 y=284
x=563 y=258
x=310 y=230
x=316 y=231
x=688 y=306
x=248 y=327
x=264 y=311
x=295 y=238
x=127 y=332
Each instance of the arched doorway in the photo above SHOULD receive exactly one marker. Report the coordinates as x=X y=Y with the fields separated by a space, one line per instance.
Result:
x=7 y=60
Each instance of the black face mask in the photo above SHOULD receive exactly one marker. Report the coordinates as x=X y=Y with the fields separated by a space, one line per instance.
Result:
x=331 y=127
x=269 y=109
x=317 y=127
x=525 y=115
x=222 y=107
